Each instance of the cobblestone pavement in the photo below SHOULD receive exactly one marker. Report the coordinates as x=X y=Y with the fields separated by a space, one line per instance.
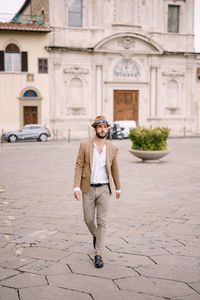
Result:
x=153 y=246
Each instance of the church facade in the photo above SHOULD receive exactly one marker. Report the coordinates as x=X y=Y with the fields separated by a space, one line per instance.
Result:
x=127 y=59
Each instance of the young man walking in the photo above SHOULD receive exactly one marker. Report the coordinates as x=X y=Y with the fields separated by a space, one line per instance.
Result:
x=96 y=166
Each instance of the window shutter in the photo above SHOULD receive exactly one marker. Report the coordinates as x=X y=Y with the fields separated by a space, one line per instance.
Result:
x=42 y=65
x=24 y=61
x=2 y=68
x=45 y=66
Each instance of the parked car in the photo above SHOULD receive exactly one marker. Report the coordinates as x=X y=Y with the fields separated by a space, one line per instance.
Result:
x=126 y=125
x=28 y=132
x=115 y=132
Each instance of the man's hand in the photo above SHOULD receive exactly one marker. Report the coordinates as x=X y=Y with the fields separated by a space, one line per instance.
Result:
x=77 y=195
x=118 y=195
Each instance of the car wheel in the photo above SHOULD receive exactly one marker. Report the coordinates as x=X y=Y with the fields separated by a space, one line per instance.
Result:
x=12 y=138
x=43 y=137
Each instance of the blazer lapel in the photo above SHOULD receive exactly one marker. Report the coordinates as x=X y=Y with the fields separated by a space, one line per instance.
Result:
x=91 y=152
x=107 y=154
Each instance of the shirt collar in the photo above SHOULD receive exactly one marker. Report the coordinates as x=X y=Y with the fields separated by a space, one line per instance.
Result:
x=97 y=147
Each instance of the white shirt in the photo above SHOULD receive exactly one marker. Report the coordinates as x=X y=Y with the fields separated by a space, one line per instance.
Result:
x=99 y=173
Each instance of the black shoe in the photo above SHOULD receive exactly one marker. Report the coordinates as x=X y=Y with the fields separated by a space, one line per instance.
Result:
x=98 y=261
x=94 y=241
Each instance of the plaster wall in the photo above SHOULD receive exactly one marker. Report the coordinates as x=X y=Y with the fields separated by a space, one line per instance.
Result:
x=13 y=83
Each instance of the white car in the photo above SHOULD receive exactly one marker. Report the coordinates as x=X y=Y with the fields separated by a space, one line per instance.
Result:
x=28 y=132
x=126 y=124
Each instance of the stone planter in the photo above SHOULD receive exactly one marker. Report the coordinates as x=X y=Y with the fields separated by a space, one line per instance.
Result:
x=149 y=155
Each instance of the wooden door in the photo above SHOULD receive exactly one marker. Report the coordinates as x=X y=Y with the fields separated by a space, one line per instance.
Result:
x=126 y=105
x=30 y=115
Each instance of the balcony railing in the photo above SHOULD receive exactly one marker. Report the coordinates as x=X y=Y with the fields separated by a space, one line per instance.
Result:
x=28 y=19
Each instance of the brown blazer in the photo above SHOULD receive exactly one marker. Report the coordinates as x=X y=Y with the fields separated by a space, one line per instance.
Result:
x=83 y=167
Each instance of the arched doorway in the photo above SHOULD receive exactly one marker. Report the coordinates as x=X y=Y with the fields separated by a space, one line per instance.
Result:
x=30 y=106
x=126 y=101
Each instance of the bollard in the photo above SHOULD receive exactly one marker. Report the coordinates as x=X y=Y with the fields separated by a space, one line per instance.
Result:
x=69 y=133
x=110 y=134
x=2 y=137
x=184 y=132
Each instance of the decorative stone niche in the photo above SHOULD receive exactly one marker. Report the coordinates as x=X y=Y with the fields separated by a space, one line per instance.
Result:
x=76 y=79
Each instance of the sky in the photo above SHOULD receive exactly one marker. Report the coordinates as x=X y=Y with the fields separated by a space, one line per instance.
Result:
x=10 y=7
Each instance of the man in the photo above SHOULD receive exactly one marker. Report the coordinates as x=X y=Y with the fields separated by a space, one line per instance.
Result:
x=96 y=165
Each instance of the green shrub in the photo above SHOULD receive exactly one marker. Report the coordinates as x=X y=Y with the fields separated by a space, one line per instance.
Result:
x=149 y=139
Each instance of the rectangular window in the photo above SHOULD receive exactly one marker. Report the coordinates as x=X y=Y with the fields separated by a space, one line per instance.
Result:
x=75 y=13
x=2 y=67
x=42 y=65
x=24 y=61
x=173 y=18
x=12 y=62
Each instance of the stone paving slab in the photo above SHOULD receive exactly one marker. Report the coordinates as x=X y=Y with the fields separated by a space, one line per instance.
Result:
x=52 y=293
x=24 y=280
x=154 y=287
x=130 y=260
x=82 y=283
x=176 y=260
x=15 y=262
x=123 y=295
x=45 y=268
x=177 y=273
x=74 y=257
x=195 y=286
x=44 y=253
x=111 y=271
x=190 y=297
x=152 y=247
x=8 y=294
x=6 y=273
x=187 y=251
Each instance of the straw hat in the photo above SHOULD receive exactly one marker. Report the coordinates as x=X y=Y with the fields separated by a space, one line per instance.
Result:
x=100 y=120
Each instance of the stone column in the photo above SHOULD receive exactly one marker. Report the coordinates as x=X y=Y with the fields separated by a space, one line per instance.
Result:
x=54 y=87
x=98 y=108
x=153 y=83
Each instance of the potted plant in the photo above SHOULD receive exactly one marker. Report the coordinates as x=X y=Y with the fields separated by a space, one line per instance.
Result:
x=148 y=143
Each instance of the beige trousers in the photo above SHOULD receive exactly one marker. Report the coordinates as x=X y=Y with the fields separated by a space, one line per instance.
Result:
x=95 y=211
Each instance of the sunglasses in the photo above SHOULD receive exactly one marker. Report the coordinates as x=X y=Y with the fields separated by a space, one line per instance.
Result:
x=101 y=122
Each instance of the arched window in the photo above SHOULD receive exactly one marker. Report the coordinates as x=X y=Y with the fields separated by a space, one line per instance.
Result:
x=126 y=68
x=12 y=58
x=75 y=13
x=30 y=94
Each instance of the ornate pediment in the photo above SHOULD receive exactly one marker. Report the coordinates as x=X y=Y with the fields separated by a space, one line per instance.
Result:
x=134 y=43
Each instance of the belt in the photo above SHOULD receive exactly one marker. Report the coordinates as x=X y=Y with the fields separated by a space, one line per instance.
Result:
x=98 y=184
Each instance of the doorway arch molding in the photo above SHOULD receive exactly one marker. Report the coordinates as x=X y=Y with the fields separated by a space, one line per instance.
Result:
x=34 y=101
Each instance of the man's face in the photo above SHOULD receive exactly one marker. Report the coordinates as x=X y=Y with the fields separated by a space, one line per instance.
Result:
x=101 y=131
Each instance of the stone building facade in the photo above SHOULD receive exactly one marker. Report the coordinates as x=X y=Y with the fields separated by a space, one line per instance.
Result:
x=127 y=59
x=24 y=78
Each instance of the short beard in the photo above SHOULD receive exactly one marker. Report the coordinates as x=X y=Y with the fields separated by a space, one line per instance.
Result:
x=99 y=136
